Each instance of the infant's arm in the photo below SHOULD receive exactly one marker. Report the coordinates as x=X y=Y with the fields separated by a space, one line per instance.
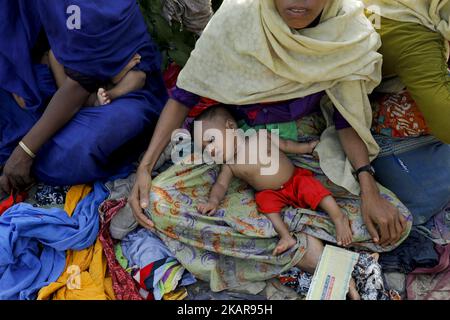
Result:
x=218 y=191
x=294 y=147
x=220 y=188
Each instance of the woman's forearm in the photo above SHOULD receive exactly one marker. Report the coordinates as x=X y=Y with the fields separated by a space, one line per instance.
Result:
x=66 y=102
x=358 y=155
x=172 y=118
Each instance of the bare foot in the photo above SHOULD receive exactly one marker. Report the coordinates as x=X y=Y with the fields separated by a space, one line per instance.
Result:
x=133 y=63
x=352 y=291
x=103 y=97
x=344 y=234
x=20 y=101
x=284 y=244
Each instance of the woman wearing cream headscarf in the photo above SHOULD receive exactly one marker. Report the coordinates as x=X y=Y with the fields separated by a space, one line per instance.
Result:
x=254 y=54
x=414 y=163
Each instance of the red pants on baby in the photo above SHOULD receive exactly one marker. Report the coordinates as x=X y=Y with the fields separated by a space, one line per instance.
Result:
x=301 y=191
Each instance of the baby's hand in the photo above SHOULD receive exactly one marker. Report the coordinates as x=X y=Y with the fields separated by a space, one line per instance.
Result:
x=208 y=208
x=312 y=145
x=306 y=147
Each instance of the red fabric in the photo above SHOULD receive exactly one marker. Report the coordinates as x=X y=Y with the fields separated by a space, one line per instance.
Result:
x=171 y=75
x=9 y=202
x=204 y=104
x=301 y=191
x=125 y=288
x=170 y=80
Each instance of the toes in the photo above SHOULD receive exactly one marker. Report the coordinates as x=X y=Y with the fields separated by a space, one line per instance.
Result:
x=103 y=97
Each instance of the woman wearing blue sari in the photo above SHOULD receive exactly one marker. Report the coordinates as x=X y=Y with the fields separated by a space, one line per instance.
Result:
x=65 y=143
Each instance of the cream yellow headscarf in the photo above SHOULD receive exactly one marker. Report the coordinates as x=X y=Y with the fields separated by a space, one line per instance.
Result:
x=434 y=14
x=247 y=54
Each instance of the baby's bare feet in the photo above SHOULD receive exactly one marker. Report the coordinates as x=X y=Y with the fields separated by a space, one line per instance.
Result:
x=284 y=244
x=344 y=234
x=103 y=97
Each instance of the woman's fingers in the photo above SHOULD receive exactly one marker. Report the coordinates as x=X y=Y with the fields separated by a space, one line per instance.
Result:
x=20 y=182
x=5 y=188
x=393 y=233
x=136 y=203
x=400 y=226
x=392 y=224
x=16 y=182
x=385 y=234
x=144 y=194
x=387 y=231
x=140 y=217
x=372 y=230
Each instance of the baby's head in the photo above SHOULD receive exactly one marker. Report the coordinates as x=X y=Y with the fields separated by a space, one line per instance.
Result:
x=215 y=121
x=299 y=14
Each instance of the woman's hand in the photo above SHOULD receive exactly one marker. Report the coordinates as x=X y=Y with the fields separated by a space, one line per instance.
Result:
x=172 y=117
x=139 y=197
x=383 y=220
x=5 y=188
x=17 y=172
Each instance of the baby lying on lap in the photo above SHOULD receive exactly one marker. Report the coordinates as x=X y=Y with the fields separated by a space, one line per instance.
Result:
x=286 y=186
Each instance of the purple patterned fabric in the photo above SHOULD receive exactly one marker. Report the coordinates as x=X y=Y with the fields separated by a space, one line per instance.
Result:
x=265 y=113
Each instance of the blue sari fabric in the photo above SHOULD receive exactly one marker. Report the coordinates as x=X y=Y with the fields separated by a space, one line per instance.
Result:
x=99 y=141
x=33 y=242
x=417 y=170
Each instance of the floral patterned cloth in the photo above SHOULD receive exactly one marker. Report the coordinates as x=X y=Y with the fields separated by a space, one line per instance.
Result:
x=235 y=245
x=50 y=195
x=397 y=115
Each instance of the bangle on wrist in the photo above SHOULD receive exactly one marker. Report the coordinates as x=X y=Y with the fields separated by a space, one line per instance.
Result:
x=27 y=150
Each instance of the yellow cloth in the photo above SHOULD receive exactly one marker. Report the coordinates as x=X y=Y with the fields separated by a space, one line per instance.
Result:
x=434 y=14
x=85 y=275
x=247 y=54
x=179 y=294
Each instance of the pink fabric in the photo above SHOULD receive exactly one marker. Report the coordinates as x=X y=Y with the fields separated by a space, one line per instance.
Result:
x=125 y=288
x=433 y=283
